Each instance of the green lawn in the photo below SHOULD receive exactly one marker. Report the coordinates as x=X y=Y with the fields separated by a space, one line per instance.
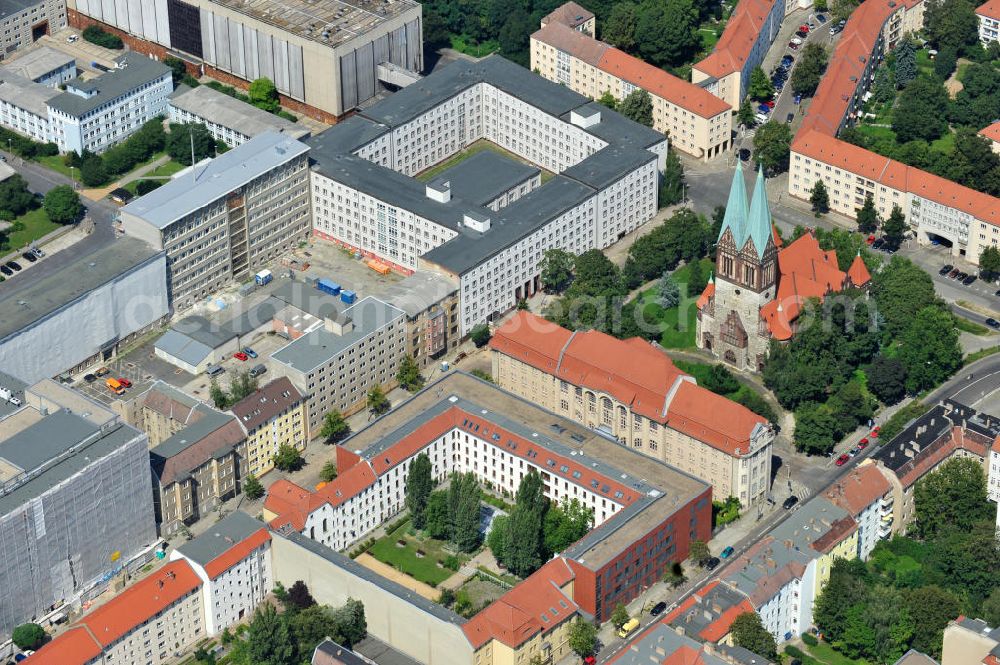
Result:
x=924 y=63
x=945 y=144
x=708 y=39
x=56 y=163
x=824 y=654
x=36 y=224
x=477 y=147
x=877 y=133
x=167 y=169
x=674 y=336
x=423 y=569
x=972 y=327
x=463 y=44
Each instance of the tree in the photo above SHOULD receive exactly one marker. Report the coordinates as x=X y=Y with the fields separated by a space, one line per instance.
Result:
x=619 y=27
x=991 y=608
x=465 y=519
x=887 y=379
x=252 y=489
x=180 y=139
x=288 y=458
x=351 y=623
x=436 y=519
x=867 y=216
x=15 y=197
x=895 y=227
x=556 y=270
x=299 y=596
x=989 y=260
x=335 y=427
x=672 y=181
x=748 y=632
x=408 y=375
x=243 y=385
x=953 y=497
x=28 y=636
x=921 y=110
x=62 y=204
x=698 y=551
x=945 y=63
x=951 y=24
x=760 y=89
x=879 y=629
x=97 y=35
x=669 y=293
x=178 y=70
x=820 y=199
x=268 y=638
x=92 y=172
x=809 y=70
x=480 y=335
x=619 y=616
x=329 y=471
x=931 y=608
x=846 y=588
x=772 y=144
x=378 y=403
x=264 y=95
x=310 y=626
x=667 y=33
x=564 y=525
x=524 y=540
x=884 y=88
x=929 y=349
x=419 y=484
x=746 y=116
x=638 y=107
x=906 y=62
x=218 y=395
x=498 y=539
x=816 y=428
x=608 y=100
x=901 y=289
x=582 y=637
x=973 y=162
x=697 y=279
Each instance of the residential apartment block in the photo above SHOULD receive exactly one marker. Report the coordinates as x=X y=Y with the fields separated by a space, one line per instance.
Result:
x=273 y=416
x=324 y=59
x=750 y=30
x=233 y=562
x=346 y=354
x=223 y=221
x=24 y=105
x=23 y=22
x=867 y=496
x=934 y=207
x=75 y=501
x=988 y=14
x=645 y=512
x=45 y=65
x=209 y=584
x=630 y=390
x=229 y=120
x=574 y=16
x=698 y=122
x=430 y=302
x=661 y=643
x=364 y=198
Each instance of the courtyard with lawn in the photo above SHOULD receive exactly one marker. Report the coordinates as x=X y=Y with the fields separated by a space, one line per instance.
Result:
x=423 y=558
x=479 y=146
x=678 y=323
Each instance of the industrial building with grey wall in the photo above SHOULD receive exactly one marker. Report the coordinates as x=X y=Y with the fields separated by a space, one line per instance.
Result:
x=325 y=58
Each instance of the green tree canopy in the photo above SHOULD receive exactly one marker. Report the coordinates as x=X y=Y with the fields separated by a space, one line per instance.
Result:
x=638 y=106
x=419 y=485
x=252 y=488
x=565 y=524
x=989 y=260
x=929 y=349
x=845 y=589
x=772 y=144
x=480 y=335
x=335 y=427
x=867 y=216
x=905 y=57
x=820 y=199
x=887 y=379
x=329 y=471
x=760 y=87
x=809 y=70
x=408 y=375
x=951 y=24
x=895 y=227
x=268 y=638
x=931 y=608
x=953 y=497
x=748 y=632
x=377 y=402
x=666 y=33
x=921 y=110
x=15 y=197
x=264 y=95
x=62 y=204
x=556 y=269
x=901 y=289
x=619 y=28
x=288 y=458
x=672 y=181
x=582 y=637
x=180 y=139
x=746 y=116
x=28 y=636
x=698 y=551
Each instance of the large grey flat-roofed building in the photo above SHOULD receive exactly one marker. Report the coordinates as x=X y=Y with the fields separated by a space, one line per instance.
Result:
x=44 y=65
x=325 y=58
x=24 y=105
x=84 y=313
x=338 y=362
x=227 y=118
x=23 y=22
x=224 y=221
x=75 y=505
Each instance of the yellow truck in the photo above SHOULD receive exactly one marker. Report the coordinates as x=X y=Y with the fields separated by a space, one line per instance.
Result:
x=628 y=628
x=115 y=386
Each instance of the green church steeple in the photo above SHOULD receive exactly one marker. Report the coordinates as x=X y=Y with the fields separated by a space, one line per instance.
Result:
x=758 y=227
x=736 y=209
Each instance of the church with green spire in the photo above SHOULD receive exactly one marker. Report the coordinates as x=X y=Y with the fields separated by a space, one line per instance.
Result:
x=745 y=279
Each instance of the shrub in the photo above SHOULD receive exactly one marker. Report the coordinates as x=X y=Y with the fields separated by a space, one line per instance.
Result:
x=144 y=187
x=452 y=563
x=794 y=651
x=96 y=35
x=810 y=639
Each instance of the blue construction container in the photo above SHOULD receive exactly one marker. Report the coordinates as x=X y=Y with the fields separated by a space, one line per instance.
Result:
x=328 y=286
x=348 y=296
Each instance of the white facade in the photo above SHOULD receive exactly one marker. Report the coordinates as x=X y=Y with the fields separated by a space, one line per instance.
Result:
x=789 y=611
x=22 y=120
x=989 y=28
x=21 y=24
x=456 y=451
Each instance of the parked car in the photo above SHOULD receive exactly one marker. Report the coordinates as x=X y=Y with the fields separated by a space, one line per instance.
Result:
x=14 y=265
x=821 y=18
x=993 y=323
x=787 y=59
x=801 y=35
x=726 y=553
x=103 y=371
x=745 y=156
x=250 y=352
x=842 y=460
x=258 y=370
x=789 y=502
x=89 y=378
x=764 y=108
x=804 y=28
x=769 y=103
x=878 y=244
x=961 y=276
x=793 y=46
x=945 y=269
x=834 y=29
x=6 y=271
x=628 y=628
x=853 y=451
x=38 y=252
x=215 y=370
x=125 y=382
x=797 y=98
x=954 y=273
x=712 y=563
x=29 y=257
x=789 y=118
x=589 y=660
x=239 y=355
x=72 y=38
x=658 y=608
x=875 y=431
x=863 y=443
x=969 y=280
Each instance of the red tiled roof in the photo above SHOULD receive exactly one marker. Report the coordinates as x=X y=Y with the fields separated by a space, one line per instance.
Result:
x=706 y=294
x=574 y=42
x=989 y=9
x=858 y=272
x=534 y=606
x=937 y=452
x=634 y=372
x=74 y=647
x=685 y=655
x=141 y=602
x=570 y=14
x=835 y=534
x=266 y=403
x=236 y=553
x=289 y=502
x=993 y=131
x=860 y=488
x=737 y=40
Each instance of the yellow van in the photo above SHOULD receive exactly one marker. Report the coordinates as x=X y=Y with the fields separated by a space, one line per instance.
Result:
x=628 y=628
x=115 y=386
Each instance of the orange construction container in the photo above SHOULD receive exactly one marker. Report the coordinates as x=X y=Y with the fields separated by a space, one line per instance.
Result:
x=379 y=267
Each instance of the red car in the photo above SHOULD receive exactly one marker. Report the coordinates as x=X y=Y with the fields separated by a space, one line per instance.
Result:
x=804 y=28
x=239 y=355
x=862 y=444
x=125 y=382
x=843 y=459
x=589 y=660
x=769 y=103
x=874 y=433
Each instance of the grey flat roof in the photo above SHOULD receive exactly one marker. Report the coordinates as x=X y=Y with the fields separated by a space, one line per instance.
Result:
x=418 y=292
x=418 y=98
x=484 y=176
x=608 y=165
x=26 y=94
x=183 y=347
x=32 y=300
x=347 y=136
x=16 y=386
x=616 y=128
x=39 y=61
x=50 y=436
x=72 y=464
x=305 y=296
x=210 y=422
x=138 y=71
x=220 y=537
x=317 y=347
x=227 y=172
x=9 y=7
x=658 y=642
x=222 y=109
x=512 y=223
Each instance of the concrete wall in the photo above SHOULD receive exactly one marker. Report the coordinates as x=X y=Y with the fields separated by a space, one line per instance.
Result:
x=332 y=578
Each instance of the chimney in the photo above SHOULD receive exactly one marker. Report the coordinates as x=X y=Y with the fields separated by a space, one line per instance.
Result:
x=338 y=326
